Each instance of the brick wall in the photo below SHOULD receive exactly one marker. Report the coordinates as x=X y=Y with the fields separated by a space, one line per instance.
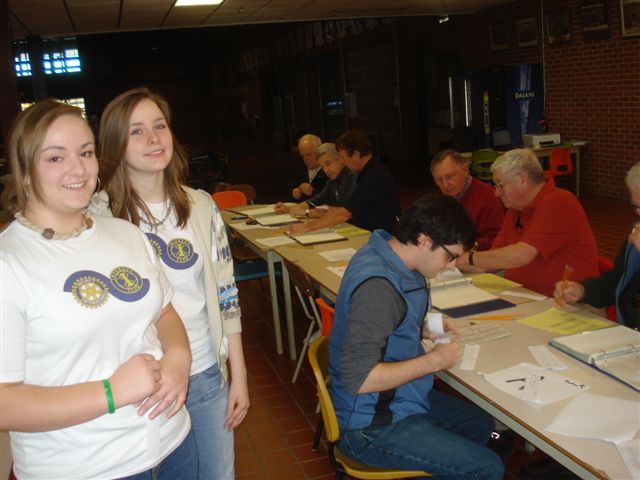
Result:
x=592 y=86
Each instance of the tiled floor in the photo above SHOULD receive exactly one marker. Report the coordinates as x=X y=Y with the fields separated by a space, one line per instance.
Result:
x=275 y=440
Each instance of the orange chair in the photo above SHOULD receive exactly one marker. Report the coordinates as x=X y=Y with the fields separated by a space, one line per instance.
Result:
x=229 y=199
x=245 y=188
x=604 y=264
x=326 y=315
x=560 y=163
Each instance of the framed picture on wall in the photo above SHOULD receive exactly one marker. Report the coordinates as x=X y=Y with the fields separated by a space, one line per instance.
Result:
x=526 y=32
x=595 y=19
x=498 y=36
x=630 y=17
x=558 y=25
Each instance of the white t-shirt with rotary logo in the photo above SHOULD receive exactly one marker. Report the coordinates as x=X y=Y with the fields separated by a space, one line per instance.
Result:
x=73 y=311
x=179 y=256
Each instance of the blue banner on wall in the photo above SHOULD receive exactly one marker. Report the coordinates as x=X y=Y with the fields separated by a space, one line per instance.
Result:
x=525 y=100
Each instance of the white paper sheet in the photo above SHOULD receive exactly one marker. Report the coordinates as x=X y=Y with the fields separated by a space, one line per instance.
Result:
x=258 y=211
x=470 y=357
x=532 y=296
x=596 y=416
x=630 y=453
x=244 y=226
x=274 y=220
x=443 y=298
x=340 y=255
x=275 y=241
x=339 y=271
x=533 y=383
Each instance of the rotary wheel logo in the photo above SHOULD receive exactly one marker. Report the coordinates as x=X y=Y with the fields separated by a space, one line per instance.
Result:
x=125 y=280
x=156 y=246
x=180 y=250
x=90 y=292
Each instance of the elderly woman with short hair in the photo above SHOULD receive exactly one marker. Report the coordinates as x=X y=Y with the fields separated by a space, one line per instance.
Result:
x=337 y=190
x=619 y=286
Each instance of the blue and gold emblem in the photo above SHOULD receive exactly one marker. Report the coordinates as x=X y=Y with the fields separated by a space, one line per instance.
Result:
x=91 y=289
x=178 y=254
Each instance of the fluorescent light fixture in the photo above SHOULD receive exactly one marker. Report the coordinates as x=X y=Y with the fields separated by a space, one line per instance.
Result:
x=192 y=3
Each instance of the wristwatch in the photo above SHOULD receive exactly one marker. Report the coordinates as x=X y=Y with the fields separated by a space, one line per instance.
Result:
x=306 y=212
x=471 y=257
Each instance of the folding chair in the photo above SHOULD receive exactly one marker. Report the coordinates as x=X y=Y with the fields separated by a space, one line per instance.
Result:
x=319 y=360
x=306 y=291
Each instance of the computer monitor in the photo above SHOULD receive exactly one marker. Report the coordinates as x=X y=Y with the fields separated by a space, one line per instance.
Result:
x=501 y=138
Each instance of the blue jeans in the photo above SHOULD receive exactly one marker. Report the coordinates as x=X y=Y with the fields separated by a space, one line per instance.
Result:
x=207 y=406
x=448 y=442
x=181 y=463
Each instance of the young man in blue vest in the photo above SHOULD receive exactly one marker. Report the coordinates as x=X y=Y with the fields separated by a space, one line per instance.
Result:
x=381 y=379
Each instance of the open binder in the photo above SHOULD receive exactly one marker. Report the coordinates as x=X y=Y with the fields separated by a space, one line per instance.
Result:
x=456 y=296
x=614 y=350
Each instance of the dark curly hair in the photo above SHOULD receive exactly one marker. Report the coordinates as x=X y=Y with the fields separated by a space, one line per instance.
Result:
x=441 y=217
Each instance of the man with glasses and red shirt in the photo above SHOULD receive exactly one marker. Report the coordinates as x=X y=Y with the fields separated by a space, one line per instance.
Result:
x=451 y=173
x=545 y=229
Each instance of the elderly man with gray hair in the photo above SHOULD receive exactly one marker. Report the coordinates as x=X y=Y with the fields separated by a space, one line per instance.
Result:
x=309 y=179
x=545 y=231
x=619 y=286
x=339 y=188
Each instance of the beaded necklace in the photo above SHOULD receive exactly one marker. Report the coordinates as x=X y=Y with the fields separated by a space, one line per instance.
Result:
x=50 y=234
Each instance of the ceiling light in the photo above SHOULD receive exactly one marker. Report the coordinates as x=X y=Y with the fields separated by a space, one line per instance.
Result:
x=191 y=3
x=442 y=19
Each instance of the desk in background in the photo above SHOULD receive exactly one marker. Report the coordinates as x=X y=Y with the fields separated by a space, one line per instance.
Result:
x=545 y=152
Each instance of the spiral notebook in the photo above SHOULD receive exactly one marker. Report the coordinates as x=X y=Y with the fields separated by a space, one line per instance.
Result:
x=614 y=350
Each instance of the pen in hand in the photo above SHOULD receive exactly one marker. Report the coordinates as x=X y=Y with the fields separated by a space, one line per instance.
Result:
x=565 y=279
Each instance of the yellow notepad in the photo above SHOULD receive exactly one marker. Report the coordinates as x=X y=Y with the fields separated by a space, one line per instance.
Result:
x=492 y=283
x=563 y=323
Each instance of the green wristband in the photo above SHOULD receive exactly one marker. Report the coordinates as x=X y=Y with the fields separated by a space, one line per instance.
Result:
x=111 y=408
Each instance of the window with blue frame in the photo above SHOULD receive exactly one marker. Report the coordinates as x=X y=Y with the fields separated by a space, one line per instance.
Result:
x=60 y=56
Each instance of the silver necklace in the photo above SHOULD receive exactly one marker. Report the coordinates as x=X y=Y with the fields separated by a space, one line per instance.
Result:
x=157 y=223
x=50 y=234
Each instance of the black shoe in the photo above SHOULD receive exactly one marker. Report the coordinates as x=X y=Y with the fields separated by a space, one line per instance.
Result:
x=501 y=442
x=546 y=469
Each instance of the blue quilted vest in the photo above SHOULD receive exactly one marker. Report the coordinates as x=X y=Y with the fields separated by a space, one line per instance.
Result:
x=376 y=259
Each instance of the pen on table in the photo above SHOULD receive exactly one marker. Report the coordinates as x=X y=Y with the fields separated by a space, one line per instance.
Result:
x=565 y=279
x=238 y=218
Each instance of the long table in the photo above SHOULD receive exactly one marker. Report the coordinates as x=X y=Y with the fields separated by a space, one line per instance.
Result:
x=307 y=255
x=250 y=238
x=586 y=458
x=544 y=152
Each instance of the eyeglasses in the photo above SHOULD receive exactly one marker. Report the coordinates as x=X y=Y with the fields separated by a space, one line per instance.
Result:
x=447 y=178
x=452 y=256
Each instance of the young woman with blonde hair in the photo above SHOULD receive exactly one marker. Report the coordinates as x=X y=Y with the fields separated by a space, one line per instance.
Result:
x=94 y=360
